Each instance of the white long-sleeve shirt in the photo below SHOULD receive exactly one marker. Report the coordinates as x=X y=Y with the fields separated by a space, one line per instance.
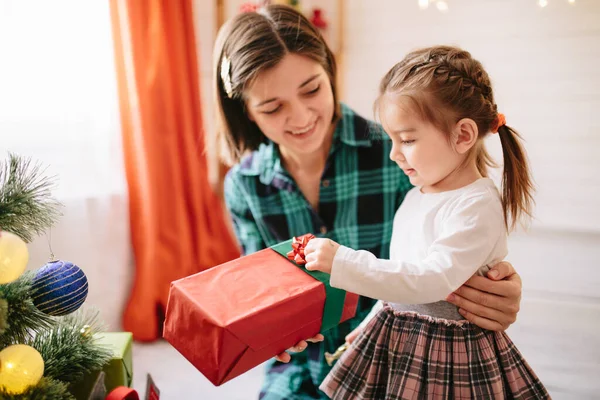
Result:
x=439 y=241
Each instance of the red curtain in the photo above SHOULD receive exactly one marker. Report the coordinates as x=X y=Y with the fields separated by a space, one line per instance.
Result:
x=178 y=226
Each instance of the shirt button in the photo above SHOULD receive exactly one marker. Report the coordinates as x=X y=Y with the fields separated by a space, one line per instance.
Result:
x=326 y=183
x=323 y=229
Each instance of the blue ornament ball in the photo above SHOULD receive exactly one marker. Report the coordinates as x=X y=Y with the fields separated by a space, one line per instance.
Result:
x=59 y=288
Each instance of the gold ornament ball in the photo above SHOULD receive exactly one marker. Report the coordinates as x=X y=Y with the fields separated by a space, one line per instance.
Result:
x=21 y=366
x=86 y=331
x=13 y=257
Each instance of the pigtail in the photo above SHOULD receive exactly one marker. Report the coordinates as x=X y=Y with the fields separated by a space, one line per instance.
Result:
x=517 y=184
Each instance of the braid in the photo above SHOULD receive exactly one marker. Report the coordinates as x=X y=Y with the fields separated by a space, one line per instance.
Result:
x=458 y=83
x=472 y=86
x=457 y=67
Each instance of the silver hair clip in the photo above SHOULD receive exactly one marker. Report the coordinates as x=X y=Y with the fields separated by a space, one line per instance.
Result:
x=225 y=76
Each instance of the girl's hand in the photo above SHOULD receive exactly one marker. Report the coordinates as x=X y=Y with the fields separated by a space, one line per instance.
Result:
x=319 y=254
x=491 y=303
x=300 y=346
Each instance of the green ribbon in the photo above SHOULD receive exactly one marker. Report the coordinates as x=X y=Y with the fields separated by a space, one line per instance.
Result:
x=334 y=298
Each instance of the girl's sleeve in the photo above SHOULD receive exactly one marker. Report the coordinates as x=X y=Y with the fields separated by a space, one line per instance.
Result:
x=244 y=225
x=467 y=239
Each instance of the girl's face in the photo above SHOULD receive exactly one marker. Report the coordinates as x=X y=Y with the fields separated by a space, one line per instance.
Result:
x=423 y=152
x=292 y=104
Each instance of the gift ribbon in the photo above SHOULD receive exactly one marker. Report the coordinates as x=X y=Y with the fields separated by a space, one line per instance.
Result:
x=298 y=246
x=293 y=250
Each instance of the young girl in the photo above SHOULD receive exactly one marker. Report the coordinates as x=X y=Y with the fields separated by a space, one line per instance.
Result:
x=437 y=107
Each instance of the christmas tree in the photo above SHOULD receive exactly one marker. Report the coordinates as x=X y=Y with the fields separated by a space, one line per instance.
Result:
x=46 y=345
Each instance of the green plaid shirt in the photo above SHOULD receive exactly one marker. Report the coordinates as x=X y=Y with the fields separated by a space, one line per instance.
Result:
x=361 y=189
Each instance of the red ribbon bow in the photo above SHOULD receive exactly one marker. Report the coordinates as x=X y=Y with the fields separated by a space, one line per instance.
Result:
x=298 y=245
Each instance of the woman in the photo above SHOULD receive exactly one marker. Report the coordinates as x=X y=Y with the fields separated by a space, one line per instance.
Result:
x=303 y=162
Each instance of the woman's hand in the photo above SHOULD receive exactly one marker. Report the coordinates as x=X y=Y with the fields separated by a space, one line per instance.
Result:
x=300 y=346
x=491 y=303
x=354 y=334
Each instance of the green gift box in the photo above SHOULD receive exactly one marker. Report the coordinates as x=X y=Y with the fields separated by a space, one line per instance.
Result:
x=91 y=387
x=119 y=370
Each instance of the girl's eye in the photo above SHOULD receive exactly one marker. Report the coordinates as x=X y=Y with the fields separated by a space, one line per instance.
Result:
x=273 y=111
x=408 y=141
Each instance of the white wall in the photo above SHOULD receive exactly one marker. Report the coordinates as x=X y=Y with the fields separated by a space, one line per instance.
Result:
x=59 y=106
x=544 y=66
x=58 y=93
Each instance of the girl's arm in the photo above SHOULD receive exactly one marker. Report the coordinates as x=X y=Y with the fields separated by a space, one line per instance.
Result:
x=468 y=237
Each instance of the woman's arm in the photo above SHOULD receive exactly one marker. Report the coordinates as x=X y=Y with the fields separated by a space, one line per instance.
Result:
x=244 y=225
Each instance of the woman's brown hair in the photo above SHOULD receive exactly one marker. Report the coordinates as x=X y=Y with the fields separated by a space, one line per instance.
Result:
x=446 y=84
x=247 y=45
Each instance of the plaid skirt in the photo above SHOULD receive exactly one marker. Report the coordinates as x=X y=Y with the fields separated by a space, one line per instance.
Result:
x=404 y=355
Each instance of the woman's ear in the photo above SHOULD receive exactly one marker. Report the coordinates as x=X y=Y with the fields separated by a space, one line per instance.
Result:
x=465 y=135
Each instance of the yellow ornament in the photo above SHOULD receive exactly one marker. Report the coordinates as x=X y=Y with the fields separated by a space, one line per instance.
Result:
x=86 y=331
x=13 y=257
x=21 y=366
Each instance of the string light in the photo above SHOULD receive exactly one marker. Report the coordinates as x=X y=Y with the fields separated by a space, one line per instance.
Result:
x=442 y=6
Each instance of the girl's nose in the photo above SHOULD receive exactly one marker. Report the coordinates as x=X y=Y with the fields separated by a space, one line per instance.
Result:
x=396 y=154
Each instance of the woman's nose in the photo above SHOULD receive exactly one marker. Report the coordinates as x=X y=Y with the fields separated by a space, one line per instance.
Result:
x=300 y=115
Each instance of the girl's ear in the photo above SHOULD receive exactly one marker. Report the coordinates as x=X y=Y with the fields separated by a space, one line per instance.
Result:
x=464 y=135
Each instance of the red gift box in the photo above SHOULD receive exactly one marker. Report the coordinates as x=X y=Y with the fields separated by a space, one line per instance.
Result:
x=233 y=317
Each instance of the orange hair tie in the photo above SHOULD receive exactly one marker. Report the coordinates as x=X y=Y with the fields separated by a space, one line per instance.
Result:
x=500 y=121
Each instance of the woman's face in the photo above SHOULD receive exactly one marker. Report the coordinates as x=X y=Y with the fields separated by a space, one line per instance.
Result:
x=292 y=104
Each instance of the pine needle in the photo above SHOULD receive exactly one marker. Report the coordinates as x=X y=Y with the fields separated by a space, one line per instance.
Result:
x=27 y=208
x=3 y=315
x=68 y=354
x=23 y=318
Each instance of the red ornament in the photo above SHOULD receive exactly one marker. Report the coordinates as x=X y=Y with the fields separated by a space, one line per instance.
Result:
x=317 y=19
x=298 y=245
